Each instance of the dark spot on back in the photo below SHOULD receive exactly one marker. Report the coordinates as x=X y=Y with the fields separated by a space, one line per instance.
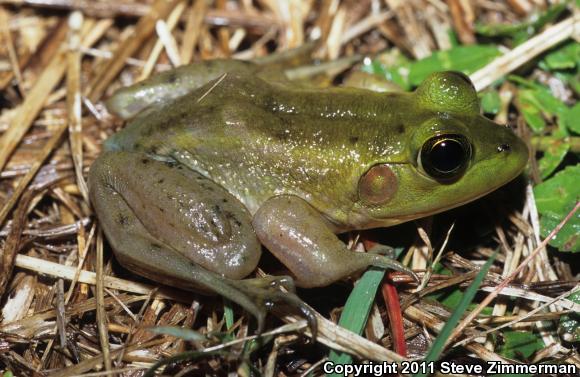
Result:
x=161 y=126
x=123 y=220
x=172 y=78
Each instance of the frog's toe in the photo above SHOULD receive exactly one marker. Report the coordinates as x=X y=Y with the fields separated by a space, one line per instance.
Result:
x=391 y=264
x=274 y=282
x=382 y=250
x=266 y=293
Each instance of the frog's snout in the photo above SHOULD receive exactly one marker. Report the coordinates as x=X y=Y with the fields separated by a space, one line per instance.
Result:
x=515 y=149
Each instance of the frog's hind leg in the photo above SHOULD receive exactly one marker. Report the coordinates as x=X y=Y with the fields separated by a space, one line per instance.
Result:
x=170 y=85
x=145 y=205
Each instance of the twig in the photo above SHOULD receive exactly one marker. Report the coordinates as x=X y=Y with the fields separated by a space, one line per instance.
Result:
x=23 y=183
x=471 y=316
x=518 y=319
x=37 y=96
x=143 y=30
x=192 y=30
x=341 y=339
x=165 y=40
x=525 y=52
x=67 y=272
x=73 y=100
x=101 y=313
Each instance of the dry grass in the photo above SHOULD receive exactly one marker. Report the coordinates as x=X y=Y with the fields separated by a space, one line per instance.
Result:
x=63 y=311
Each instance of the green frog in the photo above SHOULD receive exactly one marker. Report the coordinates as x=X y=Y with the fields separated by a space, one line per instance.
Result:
x=223 y=157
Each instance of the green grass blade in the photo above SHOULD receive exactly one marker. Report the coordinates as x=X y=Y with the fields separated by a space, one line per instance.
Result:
x=179 y=332
x=357 y=308
x=438 y=345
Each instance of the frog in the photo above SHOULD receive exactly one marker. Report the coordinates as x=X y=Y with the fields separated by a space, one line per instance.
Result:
x=224 y=158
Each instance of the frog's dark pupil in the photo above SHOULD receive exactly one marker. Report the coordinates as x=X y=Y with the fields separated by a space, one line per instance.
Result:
x=446 y=156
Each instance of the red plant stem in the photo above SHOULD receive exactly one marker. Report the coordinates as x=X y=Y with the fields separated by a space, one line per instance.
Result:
x=391 y=298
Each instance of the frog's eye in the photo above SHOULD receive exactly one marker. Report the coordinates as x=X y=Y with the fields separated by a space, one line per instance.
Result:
x=445 y=157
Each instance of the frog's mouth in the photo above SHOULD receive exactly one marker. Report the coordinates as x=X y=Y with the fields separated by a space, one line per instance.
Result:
x=383 y=222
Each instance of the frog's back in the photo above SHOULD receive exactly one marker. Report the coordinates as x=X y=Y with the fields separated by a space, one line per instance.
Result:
x=260 y=139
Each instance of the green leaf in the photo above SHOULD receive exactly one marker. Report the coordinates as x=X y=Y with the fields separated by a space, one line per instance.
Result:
x=393 y=66
x=553 y=156
x=228 y=313
x=572 y=119
x=522 y=30
x=448 y=297
x=439 y=343
x=179 y=332
x=466 y=59
x=520 y=343
x=357 y=308
x=490 y=102
x=536 y=103
x=569 y=328
x=564 y=57
x=530 y=109
x=555 y=198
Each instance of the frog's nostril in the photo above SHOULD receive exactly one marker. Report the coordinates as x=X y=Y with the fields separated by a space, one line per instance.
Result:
x=504 y=148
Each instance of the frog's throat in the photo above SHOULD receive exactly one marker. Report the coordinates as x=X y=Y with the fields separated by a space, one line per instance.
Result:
x=387 y=222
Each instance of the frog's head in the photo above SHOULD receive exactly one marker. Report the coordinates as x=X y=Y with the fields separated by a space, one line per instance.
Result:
x=453 y=155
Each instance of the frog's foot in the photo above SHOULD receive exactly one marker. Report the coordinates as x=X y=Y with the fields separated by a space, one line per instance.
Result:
x=388 y=263
x=382 y=256
x=382 y=250
x=266 y=293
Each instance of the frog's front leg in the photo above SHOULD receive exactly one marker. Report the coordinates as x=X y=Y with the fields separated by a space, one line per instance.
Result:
x=174 y=226
x=303 y=240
